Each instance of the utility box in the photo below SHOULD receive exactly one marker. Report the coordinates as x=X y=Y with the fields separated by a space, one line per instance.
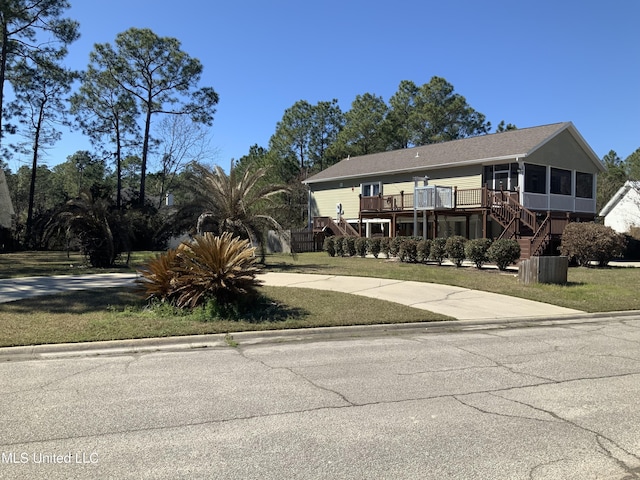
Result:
x=543 y=270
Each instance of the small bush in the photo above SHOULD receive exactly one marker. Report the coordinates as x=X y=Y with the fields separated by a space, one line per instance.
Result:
x=408 y=251
x=385 y=246
x=361 y=246
x=476 y=251
x=350 y=246
x=438 y=252
x=424 y=250
x=504 y=252
x=329 y=245
x=632 y=252
x=394 y=246
x=374 y=245
x=586 y=242
x=339 y=245
x=454 y=246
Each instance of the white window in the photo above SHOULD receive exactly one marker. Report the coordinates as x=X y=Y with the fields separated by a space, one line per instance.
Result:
x=371 y=189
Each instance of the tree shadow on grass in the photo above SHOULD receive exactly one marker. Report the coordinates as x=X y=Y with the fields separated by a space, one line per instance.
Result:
x=77 y=302
x=261 y=309
x=292 y=268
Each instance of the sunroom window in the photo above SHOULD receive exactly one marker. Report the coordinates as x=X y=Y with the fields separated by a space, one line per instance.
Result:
x=584 y=185
x=535 y=178
x=560 y=181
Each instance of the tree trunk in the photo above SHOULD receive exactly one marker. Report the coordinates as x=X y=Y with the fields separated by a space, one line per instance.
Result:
x=32 y=187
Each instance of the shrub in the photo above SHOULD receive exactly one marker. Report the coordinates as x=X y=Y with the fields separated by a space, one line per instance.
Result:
x=329 y=245
x=424 y=250
x=375 y=245
x=408 y=251
x=503 y=252
x=349 y=246
x=361 y=246
x=454 y=246
x=476 y=251
x=586 y=242
x=394 y=246
x=438 y=252
x=385 y=246
x=632 y=251
x=219 y=269
x=339 y=245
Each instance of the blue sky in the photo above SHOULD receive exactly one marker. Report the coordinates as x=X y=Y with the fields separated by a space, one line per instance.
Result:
x=528 y=63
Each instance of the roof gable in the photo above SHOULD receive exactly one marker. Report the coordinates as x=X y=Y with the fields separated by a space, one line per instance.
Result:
x=619 y=195
x=484 y=149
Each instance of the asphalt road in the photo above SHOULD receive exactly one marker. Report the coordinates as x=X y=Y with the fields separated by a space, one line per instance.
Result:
x=551 y=402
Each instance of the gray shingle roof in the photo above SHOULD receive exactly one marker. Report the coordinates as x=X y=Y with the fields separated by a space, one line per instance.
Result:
x=474 y=150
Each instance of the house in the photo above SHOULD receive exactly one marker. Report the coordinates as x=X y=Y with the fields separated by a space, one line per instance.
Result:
x=622 y=212
x=525 y=184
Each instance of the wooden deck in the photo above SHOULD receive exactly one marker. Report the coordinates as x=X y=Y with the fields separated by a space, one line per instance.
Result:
x=473 y=198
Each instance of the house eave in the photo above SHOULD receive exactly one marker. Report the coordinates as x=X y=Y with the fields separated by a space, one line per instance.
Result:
x=480 y=161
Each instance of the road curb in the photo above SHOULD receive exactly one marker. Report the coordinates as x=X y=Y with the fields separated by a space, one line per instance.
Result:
x=239 y=339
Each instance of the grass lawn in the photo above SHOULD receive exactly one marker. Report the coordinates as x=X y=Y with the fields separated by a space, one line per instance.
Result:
x=588 y=289
x=114 y=314
x=120 y=314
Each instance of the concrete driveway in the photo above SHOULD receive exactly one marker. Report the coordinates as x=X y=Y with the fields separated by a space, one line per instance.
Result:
x=456 y=302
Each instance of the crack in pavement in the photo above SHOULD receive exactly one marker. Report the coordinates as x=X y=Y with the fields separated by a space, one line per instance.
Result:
x=43 y=386
x=597 y=435
x=511 y=369
x=542 y=465
x=298 y=375
x=340 y=407
x=488 y=412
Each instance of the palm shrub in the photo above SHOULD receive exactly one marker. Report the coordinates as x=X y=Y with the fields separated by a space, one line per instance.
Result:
x=584 y=242
x=329 y=245
x=438 y=252
x=101 y=231
x=424 y=250
x=219 y=269
x=476 y=251
x=242 y=202
x=374 y=245
x=361 y=246
x=454 y=246
x=503 y=252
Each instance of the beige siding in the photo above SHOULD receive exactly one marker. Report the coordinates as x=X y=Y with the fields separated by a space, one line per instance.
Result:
x=325 y=196
x=461 y=177
x=323 y=202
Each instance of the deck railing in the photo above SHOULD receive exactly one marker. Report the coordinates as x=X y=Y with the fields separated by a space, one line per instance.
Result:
x=468 y=198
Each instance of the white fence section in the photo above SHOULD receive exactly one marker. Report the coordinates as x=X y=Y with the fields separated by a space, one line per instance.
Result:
x=432 y=197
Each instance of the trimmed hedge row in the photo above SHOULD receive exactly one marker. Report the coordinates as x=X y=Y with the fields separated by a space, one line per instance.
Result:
x=583 y=243
x=418 y=250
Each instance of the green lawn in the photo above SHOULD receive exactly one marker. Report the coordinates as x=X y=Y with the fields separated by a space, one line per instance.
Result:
x=588 y=289
x=121 y=314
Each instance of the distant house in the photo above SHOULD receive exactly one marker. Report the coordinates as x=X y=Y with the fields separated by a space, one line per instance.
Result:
x=6 y=206
x=525 y=184
x=623 y=210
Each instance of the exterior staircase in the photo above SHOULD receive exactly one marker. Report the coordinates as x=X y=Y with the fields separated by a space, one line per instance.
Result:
x=339 y=228
x=533 y=234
